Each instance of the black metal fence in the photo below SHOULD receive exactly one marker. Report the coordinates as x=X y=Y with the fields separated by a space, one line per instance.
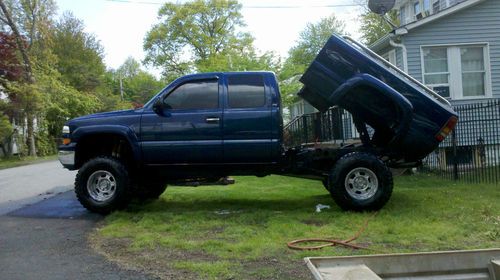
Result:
x=333 y=125
x=472 y=152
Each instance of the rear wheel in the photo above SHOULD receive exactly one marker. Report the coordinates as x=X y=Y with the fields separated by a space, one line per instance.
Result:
x=326 y=184
x=102 y=185
x=360 y=181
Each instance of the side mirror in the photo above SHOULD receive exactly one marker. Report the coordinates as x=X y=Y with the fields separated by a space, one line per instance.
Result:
x=158 y=106
x=381 y=7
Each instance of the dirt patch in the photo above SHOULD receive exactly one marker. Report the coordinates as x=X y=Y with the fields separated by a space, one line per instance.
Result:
x=157 y=262
x=314 y=222
x=154 y=262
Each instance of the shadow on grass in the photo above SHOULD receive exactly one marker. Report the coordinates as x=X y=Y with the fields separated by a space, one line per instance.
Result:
x=399 y=203
x=232 y=204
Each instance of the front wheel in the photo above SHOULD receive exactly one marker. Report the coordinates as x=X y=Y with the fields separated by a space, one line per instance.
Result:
x=360 y=182
x=102 y=185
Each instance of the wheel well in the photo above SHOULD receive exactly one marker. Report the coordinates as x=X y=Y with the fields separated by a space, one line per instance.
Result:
x=112 y=145
x=378 y=111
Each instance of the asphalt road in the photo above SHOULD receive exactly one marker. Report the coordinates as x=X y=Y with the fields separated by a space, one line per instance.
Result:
x=24 y=185
x=44 y=230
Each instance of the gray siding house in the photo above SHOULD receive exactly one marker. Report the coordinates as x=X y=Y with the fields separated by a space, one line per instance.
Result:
x=453 y=46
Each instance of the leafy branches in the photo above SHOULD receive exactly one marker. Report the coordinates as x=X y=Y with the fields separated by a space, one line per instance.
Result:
x=374 y=27
x=201 y=36
x=310 y=42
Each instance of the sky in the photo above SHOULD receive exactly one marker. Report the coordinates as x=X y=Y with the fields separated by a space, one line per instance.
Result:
x=121 y=25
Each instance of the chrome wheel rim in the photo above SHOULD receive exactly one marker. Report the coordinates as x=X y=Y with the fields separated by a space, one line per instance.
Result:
x=361 y=183
x=101 y=185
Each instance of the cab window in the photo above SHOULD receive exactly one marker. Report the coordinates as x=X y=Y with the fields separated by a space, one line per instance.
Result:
x=246 y=91
x=194 y=95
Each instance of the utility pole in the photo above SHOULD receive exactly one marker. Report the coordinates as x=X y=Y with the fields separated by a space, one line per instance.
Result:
x=121 y=86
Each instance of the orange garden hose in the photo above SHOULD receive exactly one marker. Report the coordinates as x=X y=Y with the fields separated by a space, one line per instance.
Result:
x=331 y=242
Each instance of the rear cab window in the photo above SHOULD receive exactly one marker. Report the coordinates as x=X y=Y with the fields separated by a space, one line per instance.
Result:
x=246 y=91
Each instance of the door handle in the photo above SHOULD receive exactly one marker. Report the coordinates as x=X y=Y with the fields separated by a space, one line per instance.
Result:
x=212 y=120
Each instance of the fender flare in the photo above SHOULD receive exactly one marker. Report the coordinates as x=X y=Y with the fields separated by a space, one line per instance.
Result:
x=120 y=130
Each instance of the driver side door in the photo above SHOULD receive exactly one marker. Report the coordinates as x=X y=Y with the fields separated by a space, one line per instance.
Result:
x=188 y=130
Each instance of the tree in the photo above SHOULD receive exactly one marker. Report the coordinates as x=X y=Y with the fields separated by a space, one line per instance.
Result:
x=204 y=30
x=374 y=26
x=50 y=71
x=129 y=68
x=11 y=68
x=310 y=42
x=6 y=18
x=6 y=129
x=312 y=39
x=79 y=54
x=138 y=85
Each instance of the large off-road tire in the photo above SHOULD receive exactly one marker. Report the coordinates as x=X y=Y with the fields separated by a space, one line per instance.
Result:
x=326 y=183
x=360 y=182
x=103 y=185
x=149 y=191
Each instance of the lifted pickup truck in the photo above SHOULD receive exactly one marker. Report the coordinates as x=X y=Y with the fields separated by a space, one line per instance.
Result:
x=206 y=126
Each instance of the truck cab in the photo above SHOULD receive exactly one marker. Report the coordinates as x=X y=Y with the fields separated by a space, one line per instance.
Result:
x=215 y=119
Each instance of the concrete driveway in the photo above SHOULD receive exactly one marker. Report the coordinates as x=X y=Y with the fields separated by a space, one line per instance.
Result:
x=43 y=228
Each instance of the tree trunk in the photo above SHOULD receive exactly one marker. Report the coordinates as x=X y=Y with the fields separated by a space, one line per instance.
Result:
x=31 y=136
x=4 y=151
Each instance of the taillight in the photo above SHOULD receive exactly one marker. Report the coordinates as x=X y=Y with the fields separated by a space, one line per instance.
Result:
x=447 y=128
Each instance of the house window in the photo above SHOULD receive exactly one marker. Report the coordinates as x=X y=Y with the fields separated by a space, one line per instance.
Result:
x=402 y=15
x=457 y=72
x=390 y=56
x=416 y=8
x=427 y=6
x=463 y=155
x=455 y=2
x=436 y=72
x=436 y=6
x=473 y=71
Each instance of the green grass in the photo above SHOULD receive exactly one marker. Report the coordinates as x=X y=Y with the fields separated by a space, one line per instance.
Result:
x=241 y=231
x=16 y=161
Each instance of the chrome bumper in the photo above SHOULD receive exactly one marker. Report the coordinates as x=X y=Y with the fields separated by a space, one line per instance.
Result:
x=67 y=158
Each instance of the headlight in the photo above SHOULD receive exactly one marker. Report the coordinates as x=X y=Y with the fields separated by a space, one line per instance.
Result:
x=66 y=140
x=65 y=129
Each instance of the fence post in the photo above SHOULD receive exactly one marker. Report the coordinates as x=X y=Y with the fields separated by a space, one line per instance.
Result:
x=455 y=163
x=318 y=137
x=304 y=125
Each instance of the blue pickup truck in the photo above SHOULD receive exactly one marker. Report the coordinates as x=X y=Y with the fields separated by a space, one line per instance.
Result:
x=206 y=126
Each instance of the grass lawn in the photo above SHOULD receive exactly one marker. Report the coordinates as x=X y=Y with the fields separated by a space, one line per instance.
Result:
x=16 y=161
x=240 y=231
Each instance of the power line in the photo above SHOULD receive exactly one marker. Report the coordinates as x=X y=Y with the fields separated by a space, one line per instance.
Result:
x=244 y=6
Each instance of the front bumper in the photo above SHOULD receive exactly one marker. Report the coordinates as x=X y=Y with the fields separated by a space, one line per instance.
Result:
x=67 y=158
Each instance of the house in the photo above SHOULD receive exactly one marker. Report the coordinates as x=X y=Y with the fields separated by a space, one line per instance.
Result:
x=453 y=46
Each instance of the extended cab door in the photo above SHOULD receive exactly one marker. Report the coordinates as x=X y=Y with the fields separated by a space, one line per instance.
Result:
x=247 y=121
x=189 y=130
